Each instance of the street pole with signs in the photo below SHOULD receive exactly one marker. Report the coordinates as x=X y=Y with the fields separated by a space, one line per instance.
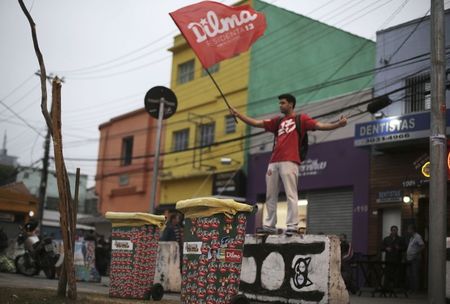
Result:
x=161 y=103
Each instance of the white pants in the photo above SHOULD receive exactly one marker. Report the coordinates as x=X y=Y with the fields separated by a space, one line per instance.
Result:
x=288 y=172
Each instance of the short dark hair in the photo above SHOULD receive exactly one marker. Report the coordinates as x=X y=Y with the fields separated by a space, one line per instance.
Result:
x=290 y=98
x=394 y=226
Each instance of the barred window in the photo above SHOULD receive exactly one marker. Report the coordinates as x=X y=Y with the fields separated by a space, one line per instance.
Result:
x=230 y=124
x=186 y=71
x=207 y=134
x=418 y=94
x=180 y=140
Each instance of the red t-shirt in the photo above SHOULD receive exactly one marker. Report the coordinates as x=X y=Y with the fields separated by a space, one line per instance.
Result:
x=286 y=144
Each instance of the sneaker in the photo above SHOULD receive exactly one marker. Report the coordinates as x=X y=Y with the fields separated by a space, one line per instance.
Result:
x=291 y=232
x=266 y=230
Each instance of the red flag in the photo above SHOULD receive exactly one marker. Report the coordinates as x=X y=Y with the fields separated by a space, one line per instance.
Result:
x=216 y=32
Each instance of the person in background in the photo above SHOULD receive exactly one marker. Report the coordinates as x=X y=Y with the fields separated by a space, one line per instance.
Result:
x=173 y=230
x=101 y=255
x=414 y=258
x=394 y=246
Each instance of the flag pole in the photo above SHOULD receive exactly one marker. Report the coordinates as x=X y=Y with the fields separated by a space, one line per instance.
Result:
x=221 y=93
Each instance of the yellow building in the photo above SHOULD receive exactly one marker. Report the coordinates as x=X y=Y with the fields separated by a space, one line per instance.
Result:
x=202 y=119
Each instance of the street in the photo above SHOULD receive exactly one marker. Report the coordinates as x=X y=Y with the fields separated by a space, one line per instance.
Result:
x=40 y=282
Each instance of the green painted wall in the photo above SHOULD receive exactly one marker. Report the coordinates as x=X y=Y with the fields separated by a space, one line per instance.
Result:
x=297 y=53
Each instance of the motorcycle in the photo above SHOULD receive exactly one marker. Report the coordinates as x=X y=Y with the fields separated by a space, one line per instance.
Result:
x=39 y=255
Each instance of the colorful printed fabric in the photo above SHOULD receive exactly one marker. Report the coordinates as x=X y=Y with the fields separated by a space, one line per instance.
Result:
x=212 y=257
x=133 y=261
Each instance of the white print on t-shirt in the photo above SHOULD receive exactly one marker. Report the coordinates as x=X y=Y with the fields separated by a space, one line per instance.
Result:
x=286 y=127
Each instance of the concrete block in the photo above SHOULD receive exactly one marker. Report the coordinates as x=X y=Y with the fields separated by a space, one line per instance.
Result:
x=293 y=269
x=167 y=272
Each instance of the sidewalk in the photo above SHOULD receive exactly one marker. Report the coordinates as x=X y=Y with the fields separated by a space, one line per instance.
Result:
x=367 y=299
x=40 y=282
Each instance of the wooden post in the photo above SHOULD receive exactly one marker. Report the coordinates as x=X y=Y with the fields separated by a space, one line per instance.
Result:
x=66 y=208
x=65 y=199
x=63 y=274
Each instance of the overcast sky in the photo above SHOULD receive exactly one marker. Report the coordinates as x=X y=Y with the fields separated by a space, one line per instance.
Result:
x=111 y=52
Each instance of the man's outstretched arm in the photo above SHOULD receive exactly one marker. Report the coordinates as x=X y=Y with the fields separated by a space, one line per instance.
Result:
x=248 y=120
x=325 y=126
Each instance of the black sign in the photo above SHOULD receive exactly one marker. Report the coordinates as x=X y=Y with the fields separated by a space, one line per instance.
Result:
x=229 y=183
x=159 y=94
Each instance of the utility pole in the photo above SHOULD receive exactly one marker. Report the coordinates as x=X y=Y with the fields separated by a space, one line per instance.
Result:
x=438 y=155
x=45 y=163
x=44 y=177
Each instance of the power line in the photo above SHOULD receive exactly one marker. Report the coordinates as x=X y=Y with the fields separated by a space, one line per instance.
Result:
x=244 y=136
x=255 y=102
x=18 y=87
x=100 y=66
x=283 y=27
x=23 y=120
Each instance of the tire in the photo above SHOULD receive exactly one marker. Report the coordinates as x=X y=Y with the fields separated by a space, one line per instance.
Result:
x=50 y=272
x=239 y=299
x=25 y=267
x=157 y=292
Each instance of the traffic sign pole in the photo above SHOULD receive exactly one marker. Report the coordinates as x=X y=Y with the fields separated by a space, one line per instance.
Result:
x=156 y=158
x=161 y=103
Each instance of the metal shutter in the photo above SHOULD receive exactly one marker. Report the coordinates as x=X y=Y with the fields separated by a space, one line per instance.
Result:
x=330 y=212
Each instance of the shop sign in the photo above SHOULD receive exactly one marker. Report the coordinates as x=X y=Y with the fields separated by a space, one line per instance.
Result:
x=414 y=183
x=391 y=196
x=312 y=167
x=421 y=160
x=229 y=183
x=394 y=129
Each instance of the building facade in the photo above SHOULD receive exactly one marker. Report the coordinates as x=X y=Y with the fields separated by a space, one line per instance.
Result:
x=125 y=163
x=17 y=206
x=31 y=178
x=330 y=72
x=202 y=156
x=398 y=137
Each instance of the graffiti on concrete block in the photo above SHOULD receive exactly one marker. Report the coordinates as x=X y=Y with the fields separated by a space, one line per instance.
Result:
x=300 y=278
x=282 y=271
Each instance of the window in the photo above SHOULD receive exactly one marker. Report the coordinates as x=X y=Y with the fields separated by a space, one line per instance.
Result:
x=418 y=94
x=206 y=134
x=185 y=72
x=127 y=151
x=230 y=124
x=180 y=140
x=211 y=69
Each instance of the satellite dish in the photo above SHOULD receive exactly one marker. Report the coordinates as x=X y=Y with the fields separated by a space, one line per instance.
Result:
x=159 y=94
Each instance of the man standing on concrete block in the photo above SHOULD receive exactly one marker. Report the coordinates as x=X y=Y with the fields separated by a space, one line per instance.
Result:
x=289 y=131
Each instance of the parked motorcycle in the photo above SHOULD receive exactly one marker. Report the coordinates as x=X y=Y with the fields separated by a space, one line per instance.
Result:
x=39 y=254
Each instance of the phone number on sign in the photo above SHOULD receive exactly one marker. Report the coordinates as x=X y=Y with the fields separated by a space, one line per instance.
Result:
x=388 y=138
